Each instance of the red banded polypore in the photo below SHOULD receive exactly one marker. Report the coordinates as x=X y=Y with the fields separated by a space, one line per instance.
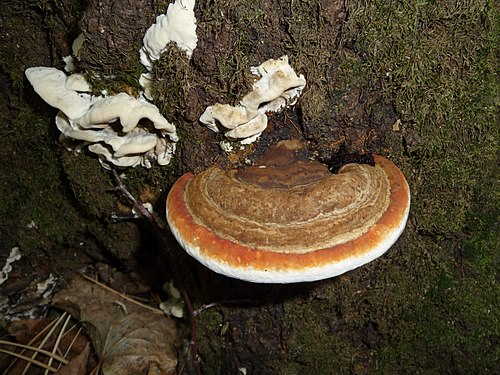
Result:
x=288 y=220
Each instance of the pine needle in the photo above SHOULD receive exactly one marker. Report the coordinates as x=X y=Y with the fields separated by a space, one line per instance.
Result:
x=30 y=360
x=130 y=299
x=35 y=349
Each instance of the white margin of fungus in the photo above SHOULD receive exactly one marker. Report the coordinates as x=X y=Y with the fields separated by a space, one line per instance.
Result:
x=278 y=276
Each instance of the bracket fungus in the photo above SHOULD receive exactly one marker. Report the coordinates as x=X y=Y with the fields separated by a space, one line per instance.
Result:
x=177 y=25
x=113 y=126
x=277 y=87
x=289 y=219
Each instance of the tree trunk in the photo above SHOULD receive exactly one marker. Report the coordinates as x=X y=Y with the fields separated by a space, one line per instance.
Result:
x=350 y=107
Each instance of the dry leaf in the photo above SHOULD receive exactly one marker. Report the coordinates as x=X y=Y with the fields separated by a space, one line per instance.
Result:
x=127 y=337
x=77 y=365
x=25 y=329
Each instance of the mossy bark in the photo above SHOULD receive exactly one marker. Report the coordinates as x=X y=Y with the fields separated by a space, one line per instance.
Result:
x=413 y=81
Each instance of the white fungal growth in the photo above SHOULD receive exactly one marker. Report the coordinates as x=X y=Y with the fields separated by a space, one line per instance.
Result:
x=174 y=306
x=14 y=256
x=226 y=146
x=120 y=129
x=177 y=25
x=277 y=87
x=45 y=288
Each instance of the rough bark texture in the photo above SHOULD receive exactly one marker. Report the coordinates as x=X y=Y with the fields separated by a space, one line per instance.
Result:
x=112 y=31
x=408 y=81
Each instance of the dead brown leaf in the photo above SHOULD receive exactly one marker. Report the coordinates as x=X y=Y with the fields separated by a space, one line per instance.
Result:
x=77 y=365
x=127 y=337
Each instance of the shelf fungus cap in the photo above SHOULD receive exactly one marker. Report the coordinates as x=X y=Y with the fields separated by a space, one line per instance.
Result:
x=178 y=25
x=277 y=86
x=289 y=219
x=51 y=85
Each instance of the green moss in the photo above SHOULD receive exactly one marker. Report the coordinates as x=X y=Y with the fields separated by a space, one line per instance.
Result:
x=90 y=184
x=122 y=81
x=212 y=323
x=29 y=131
x=430 y=304
x=448 y=313
x=50 y=197
x=436 y=62
x=34 y=199
x=316 y=331
x=172 y=83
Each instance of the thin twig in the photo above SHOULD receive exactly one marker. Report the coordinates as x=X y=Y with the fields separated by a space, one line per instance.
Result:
x=193 y=344
x=71 y=343
x=207 y=306
x=96 y=369
x=58 y=341
x=162 y=231
x=124 y=296
x=137 y=204
x=34 y=339
x=226 y=303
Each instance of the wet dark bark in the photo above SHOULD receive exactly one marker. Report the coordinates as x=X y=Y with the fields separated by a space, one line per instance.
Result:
x=336 y=116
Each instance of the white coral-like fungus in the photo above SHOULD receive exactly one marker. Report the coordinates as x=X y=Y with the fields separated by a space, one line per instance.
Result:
x=112 y=125
x=277 y=87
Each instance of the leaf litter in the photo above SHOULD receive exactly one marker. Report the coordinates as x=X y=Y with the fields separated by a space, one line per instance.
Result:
x=128 y=338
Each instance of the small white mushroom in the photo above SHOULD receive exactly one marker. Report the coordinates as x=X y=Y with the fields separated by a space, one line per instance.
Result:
x=145 y=80
x=107 y=157
x=67 y=127
x=128 y=110
x=164 y=151
x=278 y=82
x=226 y=146
x=228 y=116
x=77 y=45
x=78 y=82
x=138 y=141
x=252 y=128
x=69 y=63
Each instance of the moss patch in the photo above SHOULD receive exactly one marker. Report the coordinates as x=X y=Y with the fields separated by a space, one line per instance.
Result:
x=33 y=197
x=428 y=305
x=436 y=62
